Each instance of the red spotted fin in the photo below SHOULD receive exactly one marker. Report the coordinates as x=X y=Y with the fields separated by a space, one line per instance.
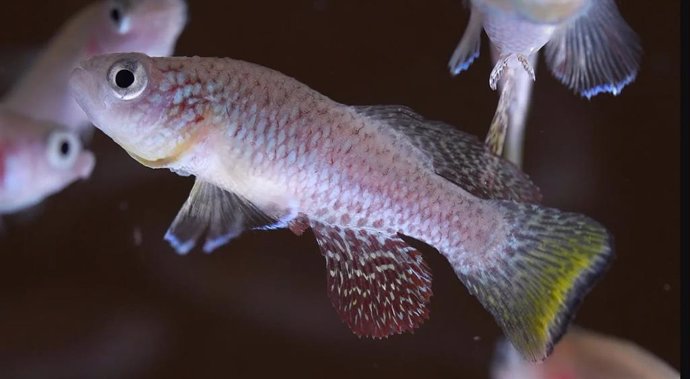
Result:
x=378 y=284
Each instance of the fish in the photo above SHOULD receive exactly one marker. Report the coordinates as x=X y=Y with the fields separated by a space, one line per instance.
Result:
x=107 y=26
x=583 y=354
x=268 y=152
x=588 y=47
x=37 y=159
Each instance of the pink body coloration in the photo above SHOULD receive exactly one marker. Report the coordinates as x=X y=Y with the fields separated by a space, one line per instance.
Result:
x=584 y=354
x=300 y=152
x=269 y=152
x=37 y=159
x=106 y=26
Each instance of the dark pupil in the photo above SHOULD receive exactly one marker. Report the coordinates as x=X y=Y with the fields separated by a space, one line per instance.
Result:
x=115 y=15
x=124 y=78
x=64 y=148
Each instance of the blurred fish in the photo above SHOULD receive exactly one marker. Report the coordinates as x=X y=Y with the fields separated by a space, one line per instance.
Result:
x=37 y=159
x=268 y=152
x=582 y=354
x=589 y=47
x=150 y=26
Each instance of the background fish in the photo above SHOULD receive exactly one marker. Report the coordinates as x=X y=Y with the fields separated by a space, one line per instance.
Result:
x=37 y=159
x=269 y=152
x=589 y=47
x=583 y=354
x=150 y=26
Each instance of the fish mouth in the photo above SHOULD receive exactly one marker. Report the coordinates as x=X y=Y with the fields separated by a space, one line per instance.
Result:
x=155 y=163
x=83 y=91
x=87 y=162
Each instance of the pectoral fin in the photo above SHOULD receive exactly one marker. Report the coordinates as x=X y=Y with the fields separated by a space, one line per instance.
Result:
x=222 y=215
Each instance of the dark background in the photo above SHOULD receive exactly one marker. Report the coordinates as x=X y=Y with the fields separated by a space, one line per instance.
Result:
x=89 y=289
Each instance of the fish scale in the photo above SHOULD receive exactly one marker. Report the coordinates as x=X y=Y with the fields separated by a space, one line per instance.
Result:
x=269 y=152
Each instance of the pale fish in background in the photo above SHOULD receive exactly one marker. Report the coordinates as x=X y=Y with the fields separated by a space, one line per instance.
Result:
x=37 y=159
x=269 y=152
x=588 y=46
x=150 y=26
x=583 y=354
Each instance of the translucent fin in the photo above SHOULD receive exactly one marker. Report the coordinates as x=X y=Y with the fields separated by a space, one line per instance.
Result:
x=458 y=156
x=495 y=138
x=222 y=215
x=504 y=362
x=550 y=260
x=468 y=48
x=595 y=53
x=517 y=114
x=378 y=284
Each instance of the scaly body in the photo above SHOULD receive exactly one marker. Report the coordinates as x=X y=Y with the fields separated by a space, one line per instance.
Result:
x=269 y=152
x=313 y=156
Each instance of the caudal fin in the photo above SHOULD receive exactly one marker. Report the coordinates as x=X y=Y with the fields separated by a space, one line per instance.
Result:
x=550 y=260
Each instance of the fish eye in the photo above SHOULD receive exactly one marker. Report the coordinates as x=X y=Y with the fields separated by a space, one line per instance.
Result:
x=127 y=78
x=63 y=148
x=115 y=15
x=118 y=16
x=124 y=78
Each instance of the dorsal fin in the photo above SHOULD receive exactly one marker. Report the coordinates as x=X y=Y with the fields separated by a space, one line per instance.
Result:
x=458 y=156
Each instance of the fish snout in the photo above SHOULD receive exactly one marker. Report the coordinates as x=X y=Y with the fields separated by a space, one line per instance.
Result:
x=85 y=164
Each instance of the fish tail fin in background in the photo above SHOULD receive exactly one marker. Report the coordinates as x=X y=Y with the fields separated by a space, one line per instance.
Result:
x=517 y=109
x=550 y=260
x=468 y=47
x=595 y=53
x=495 y=138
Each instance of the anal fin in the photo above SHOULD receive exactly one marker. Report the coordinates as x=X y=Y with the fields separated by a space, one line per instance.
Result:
x=222 y=215
x=378 y=284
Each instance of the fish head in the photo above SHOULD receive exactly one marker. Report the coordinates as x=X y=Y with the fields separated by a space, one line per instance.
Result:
x=37 y=159
x=133 y=100
x=149 y=26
